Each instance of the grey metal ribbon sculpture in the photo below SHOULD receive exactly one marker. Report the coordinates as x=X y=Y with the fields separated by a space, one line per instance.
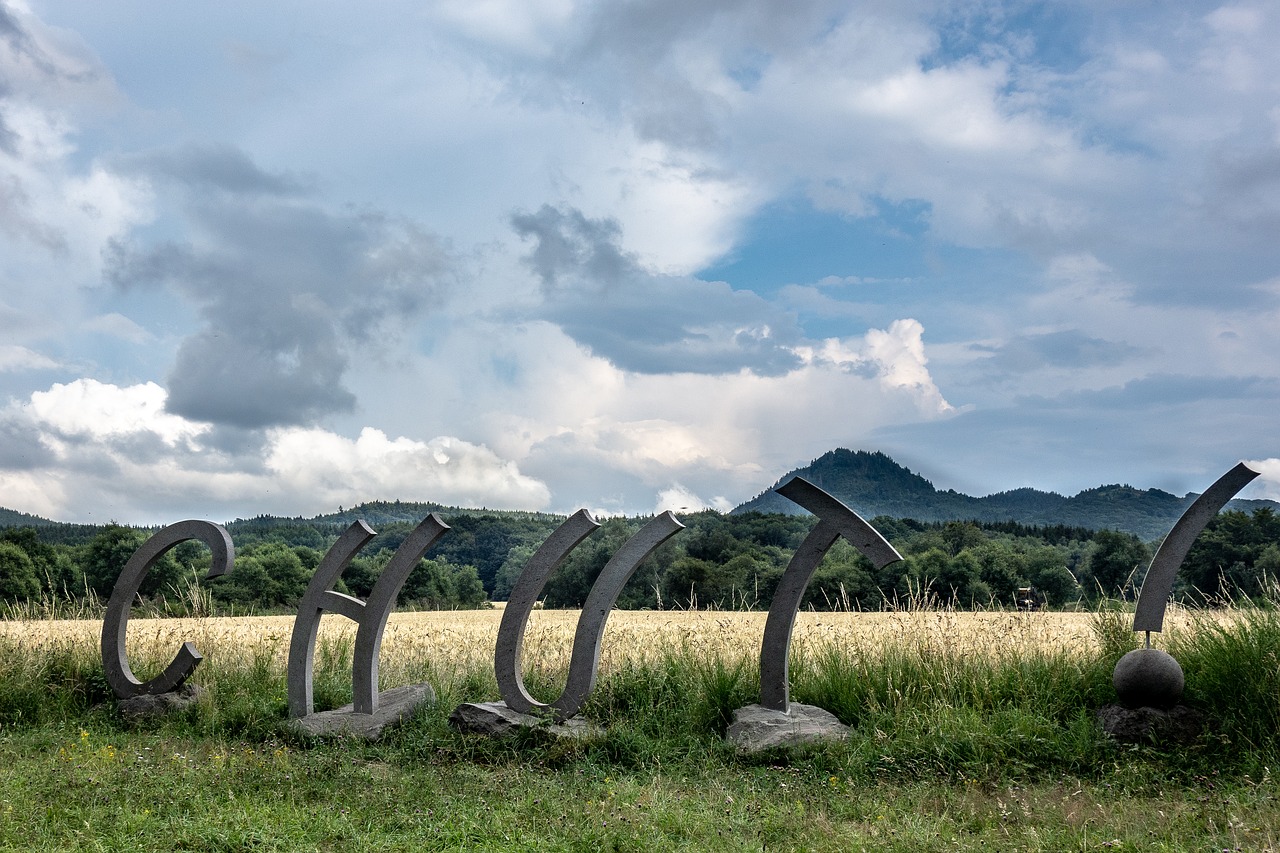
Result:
x=1163 y=571
x=834 y=520
x=371 y=615
x=120 y=676
x=585 y=657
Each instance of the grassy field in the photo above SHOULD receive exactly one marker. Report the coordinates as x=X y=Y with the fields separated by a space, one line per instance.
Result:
x=970 y=731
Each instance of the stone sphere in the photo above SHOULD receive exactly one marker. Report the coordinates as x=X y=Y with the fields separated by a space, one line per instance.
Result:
x=1148 y=678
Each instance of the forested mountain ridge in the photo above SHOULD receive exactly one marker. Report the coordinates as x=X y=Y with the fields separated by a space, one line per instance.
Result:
x=13 y=518
x=873 y=484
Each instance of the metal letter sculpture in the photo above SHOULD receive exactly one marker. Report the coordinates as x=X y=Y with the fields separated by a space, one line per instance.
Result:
x=585 y=656
x=114 y=626
x=1158 y=584
x=834 y=520
x=1152 y=678
x=371 y=615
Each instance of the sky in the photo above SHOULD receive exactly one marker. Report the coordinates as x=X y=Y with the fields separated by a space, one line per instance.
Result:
x=278 y=258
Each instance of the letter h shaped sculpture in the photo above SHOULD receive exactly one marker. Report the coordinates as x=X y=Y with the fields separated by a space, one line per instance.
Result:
x=370 y=615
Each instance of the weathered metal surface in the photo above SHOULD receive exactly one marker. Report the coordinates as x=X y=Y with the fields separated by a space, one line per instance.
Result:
x=378 y=606
x=1163 y=571
x=370 y=615
x=835 y=520
x=116 y=621
x=515 y=616
x=585 y=656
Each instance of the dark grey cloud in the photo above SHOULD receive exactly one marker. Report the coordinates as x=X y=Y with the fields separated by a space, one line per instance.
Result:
x=8 y=138
x=605 y=300
x=1177 y=433
x=286 y=289
x=1165 y=390
x=20 y=446
x=1071 y=348
x=214 y=167
x=22 y=45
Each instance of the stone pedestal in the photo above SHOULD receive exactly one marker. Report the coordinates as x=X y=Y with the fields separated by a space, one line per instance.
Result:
x=1177 y=725
x=495 y=719
x=136 y=709
x=394 y=707
x=756 y=728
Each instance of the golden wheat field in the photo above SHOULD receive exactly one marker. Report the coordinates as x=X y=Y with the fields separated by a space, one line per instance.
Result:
x=465 y=639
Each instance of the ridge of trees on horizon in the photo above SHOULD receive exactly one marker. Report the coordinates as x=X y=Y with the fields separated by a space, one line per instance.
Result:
x=720 y=562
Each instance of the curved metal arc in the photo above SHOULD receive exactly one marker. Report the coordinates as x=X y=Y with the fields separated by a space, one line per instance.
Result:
x=852 y=526
x=834 y=520
x=115 y=623
x=302 y=644
x=515 y=616
x=775 y=646
x=1163 y=571
x=585 y=657
x=377 y=607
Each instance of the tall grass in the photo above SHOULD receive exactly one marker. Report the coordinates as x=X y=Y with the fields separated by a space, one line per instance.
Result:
x=917 y=702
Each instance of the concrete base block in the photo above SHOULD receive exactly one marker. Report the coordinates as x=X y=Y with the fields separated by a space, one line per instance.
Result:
x=757 y=729
x=495 y=719
x=394 y=707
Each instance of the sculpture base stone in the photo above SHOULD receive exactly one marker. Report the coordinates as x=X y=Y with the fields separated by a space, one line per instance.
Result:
x=136 y=709
x=1177 y=725
x=756 y=728
x=394 y=707
x=495 y=719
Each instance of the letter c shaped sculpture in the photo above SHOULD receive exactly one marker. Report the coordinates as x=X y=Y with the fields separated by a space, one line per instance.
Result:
x=834 y=520
x=120 y=676
x=585 y=657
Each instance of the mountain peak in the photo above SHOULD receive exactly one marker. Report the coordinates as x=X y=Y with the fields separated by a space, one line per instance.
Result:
x=872 y=484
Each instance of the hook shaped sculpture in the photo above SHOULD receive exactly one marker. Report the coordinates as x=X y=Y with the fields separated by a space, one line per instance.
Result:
x=1147 y=677
x=585 y=657
x=834 y=520
x=1157 y=586
x=120 y=676
x=371 y=615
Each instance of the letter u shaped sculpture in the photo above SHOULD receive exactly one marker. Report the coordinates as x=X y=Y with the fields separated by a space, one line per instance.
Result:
x=834 y=520
x=585 y=656
x=114 y=626
x=370 y=615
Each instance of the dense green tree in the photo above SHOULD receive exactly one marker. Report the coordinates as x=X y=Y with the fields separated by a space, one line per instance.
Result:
x=961 y=536
x=1115 y=563
x=510 y=570
x=59 y=574
x=1234 y=556
x=18 y=578
x=1047 y=571
x=268 y=576
x=107 y=554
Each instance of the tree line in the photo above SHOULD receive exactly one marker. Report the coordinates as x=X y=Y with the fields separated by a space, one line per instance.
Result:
x=719 y=562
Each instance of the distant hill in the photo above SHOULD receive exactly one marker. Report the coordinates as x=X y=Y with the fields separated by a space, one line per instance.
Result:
x=13 y=518
x=873 y=484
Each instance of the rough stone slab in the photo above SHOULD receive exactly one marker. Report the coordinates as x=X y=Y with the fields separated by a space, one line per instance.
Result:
x=1177 y=725
x=151 y=706
x=495 y=719
x=756 y=728
x=394 y=707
